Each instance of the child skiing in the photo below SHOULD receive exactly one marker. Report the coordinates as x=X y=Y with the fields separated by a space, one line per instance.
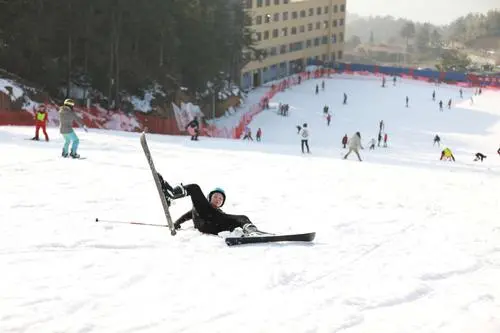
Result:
x=258 y=135
x=206 y=213
x=345 y=139
x=66 y=117
x=193 y=128
x=372 y=144
x=437 y=140
x=304 y=142
x=447 y=155
x=41 y=118
x=354 y=145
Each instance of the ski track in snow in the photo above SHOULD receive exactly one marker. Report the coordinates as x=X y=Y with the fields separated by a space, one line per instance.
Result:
x=405 y=243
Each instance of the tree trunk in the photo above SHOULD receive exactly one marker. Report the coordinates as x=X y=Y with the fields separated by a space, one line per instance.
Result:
x=117 y=59
x=111 y=61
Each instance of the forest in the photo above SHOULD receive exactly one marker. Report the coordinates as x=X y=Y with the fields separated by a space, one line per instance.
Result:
x=122 y=47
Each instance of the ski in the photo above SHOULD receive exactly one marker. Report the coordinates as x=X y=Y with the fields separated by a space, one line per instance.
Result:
x=164 y=202
x=270 y=238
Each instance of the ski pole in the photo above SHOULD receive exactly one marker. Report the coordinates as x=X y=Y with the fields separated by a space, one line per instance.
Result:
x=131 y=222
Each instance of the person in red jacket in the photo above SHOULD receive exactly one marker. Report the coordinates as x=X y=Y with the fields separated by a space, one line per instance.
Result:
x=259 y=134
x=41 y=117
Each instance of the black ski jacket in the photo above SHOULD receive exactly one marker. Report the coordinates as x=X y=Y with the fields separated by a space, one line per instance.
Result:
x=199 y=222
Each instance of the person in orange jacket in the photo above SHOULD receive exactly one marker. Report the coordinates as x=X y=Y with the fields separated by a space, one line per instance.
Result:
x=41 y=117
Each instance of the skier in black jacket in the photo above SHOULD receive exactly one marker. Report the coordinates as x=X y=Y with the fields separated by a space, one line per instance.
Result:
x=193 y=128
x=206 y=213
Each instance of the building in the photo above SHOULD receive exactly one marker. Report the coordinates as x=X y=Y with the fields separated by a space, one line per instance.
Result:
x=294 y=34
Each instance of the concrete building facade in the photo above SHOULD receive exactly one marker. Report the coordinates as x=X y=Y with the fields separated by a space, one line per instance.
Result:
x=294 y=34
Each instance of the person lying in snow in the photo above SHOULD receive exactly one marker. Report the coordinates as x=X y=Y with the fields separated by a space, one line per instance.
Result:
x=206 y=213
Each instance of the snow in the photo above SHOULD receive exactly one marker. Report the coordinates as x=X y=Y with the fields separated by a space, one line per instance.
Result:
x=17 y=92
x=405 y=242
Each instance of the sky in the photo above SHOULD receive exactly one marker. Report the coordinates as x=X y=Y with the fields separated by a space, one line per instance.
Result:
x=404 y=242
x=433 y=11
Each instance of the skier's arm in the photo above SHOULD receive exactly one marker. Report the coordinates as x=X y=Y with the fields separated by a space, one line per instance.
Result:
x=186 y=217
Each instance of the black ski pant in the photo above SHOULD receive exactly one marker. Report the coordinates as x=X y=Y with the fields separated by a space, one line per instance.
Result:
x=215 y=220
x=303 y=144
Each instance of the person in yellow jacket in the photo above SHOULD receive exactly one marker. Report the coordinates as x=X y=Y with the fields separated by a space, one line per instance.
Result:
x=41 y=117
x=447 y=154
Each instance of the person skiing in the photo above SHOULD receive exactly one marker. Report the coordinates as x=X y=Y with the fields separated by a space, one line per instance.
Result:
x=407 y=101
x=479 y=156
x=447 y=154
x=258 y=136
x=193 y=128
x=328 y=119
x=372 y=144
x=248 y=134
x=498 y=151
x=304 y=142
x=437 y=140
x=385 y=140
x=41 y=118
x=345 y=99
x=345 y=139
x=66 y=117
x=355 y=145
x=379 y=138
x=440 y=105
x=207 y=215
x=434 y=95
x=325 y=109
x=317 y=89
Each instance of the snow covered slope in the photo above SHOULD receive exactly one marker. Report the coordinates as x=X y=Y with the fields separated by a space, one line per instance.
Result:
x=405 y=243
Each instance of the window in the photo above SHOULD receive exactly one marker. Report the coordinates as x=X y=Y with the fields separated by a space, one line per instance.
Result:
x=323 y=57
x=294 y=31
x=276 y=17
x=318 y=11
x=275 y=33
x=342 y=9
x=325 y=24
x=258 y=19
x=285 y=16
x=341 y=37
x=248 y=4
x=266 y=35
x=258 y=36
x=316 y=41
x=285 y=2
x=284 y=32
x=333 y=56
x=341 y=22
x=334 y=38
x=268 y=2
x=283 y=49
x=310 y=27
x=318 y=25
x=326 y=9
x=294 y=15
x=277 y=2
x=302 y=29
x=273 y=51
x=296 y=46
x=267 y=18
x=302 y=13
x=334 y=23
x=339 y=55
x=335 y=8
x=311 y=11
x=324 y=40
x=259 y=3
x=308 y=43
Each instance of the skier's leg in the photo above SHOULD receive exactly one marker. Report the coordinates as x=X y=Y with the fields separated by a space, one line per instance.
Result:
x=44 y=129
x=350 y=151
x=357 y=153
x=302 y=145
x=67 y=140
x=307 y=145
x=76 y=142
x=37 y=130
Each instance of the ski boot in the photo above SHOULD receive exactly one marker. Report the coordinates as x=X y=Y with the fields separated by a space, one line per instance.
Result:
x=74 y=155
x=249 y=229
x=171 y=192
x=64 y=154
